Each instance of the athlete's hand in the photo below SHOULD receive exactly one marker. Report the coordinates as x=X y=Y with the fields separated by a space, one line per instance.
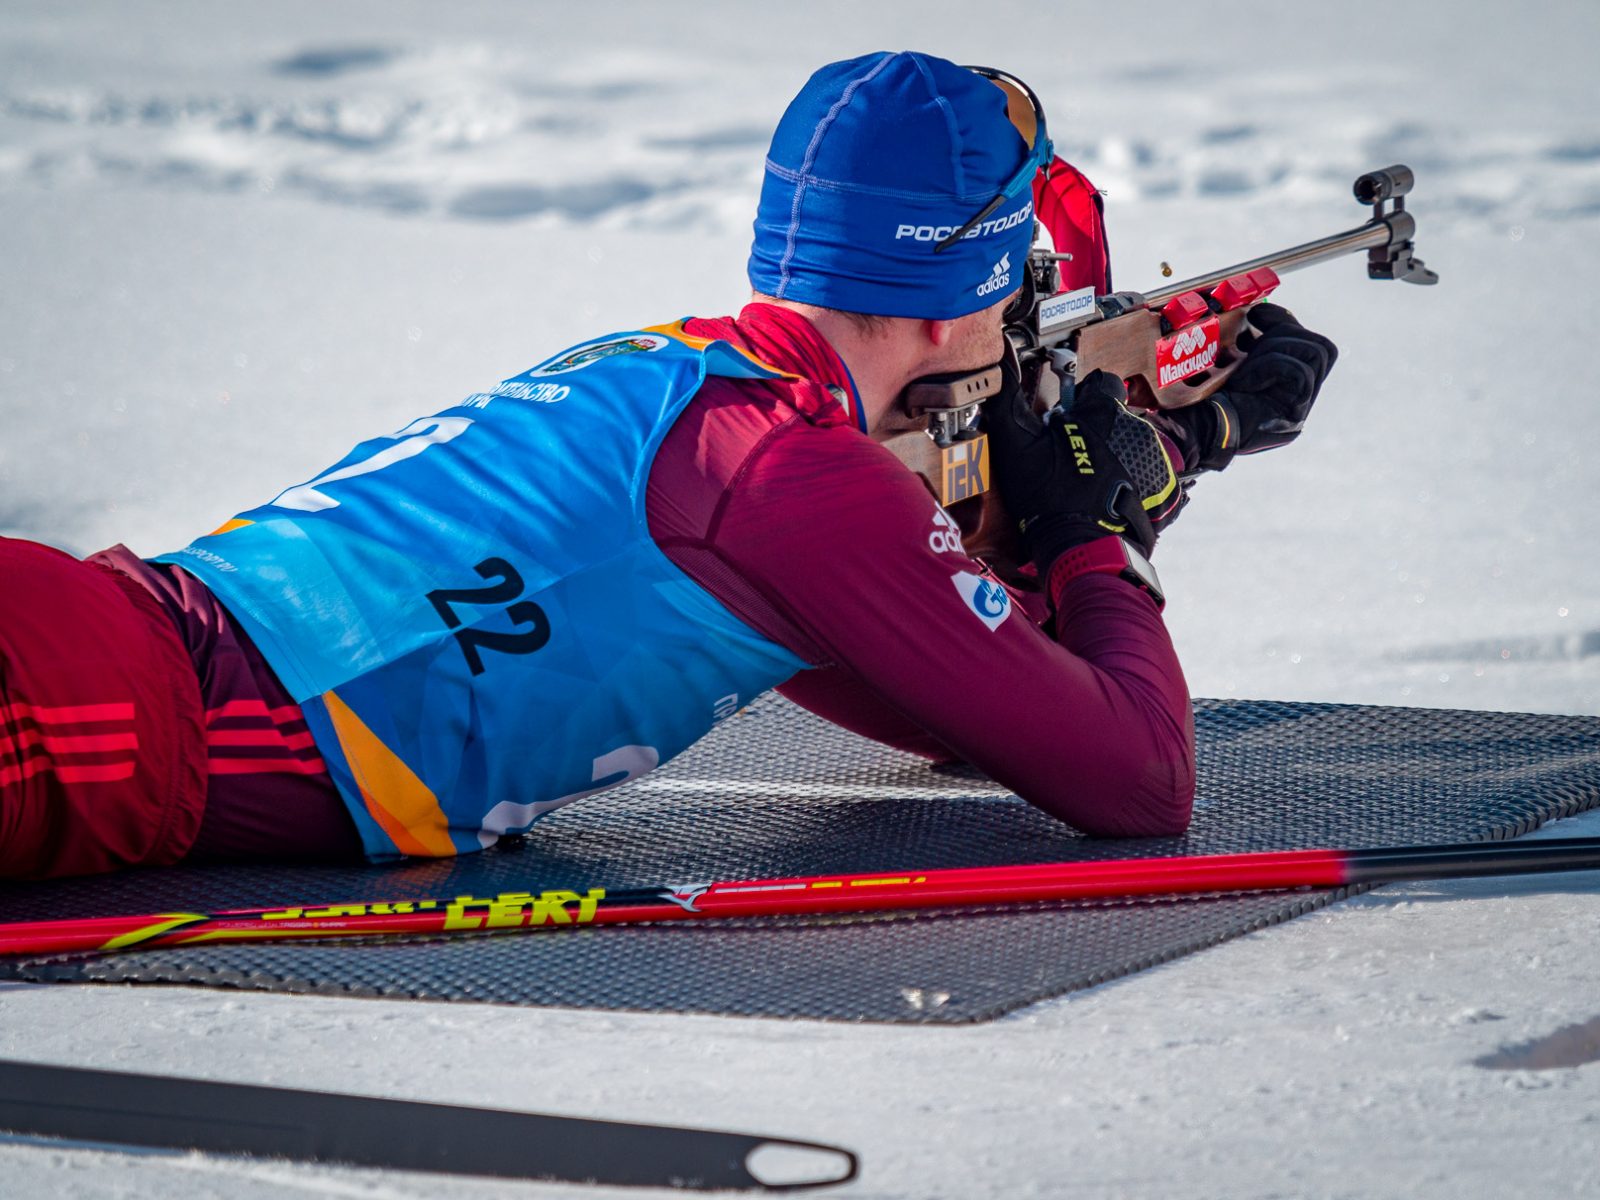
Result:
x=1266 y=401
x=1089 y=467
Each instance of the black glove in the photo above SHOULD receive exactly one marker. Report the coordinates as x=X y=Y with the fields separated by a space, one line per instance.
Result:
x=1088 y=468
x=1266 y=400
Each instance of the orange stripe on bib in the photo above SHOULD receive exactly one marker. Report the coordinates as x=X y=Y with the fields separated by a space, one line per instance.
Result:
x=397 y=800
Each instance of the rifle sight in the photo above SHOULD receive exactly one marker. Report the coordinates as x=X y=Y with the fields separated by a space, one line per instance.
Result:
x=1387 y=184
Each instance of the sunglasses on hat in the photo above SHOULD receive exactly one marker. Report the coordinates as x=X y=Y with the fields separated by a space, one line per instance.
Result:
x=1027 y=114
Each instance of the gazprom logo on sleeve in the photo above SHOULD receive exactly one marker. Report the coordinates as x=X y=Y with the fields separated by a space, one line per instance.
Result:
x=987 y=599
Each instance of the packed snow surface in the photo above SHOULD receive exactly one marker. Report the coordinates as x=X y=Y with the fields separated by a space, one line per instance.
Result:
x=236 y=240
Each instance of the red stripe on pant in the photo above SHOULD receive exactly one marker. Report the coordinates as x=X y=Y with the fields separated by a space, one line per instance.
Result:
x=102 y=750
x=258 y=737
x=265 y=731
x=17 y=773
x=284 y=715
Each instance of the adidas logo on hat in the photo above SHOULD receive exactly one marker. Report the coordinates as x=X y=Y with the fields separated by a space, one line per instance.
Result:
x=998 y=278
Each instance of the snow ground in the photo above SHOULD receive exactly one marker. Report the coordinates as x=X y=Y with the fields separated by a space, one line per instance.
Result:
x=235 y=240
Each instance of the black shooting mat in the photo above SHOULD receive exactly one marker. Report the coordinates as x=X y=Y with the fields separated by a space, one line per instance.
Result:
x=777 y=792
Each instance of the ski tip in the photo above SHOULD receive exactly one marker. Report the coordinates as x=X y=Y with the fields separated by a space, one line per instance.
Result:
x=784 y=1166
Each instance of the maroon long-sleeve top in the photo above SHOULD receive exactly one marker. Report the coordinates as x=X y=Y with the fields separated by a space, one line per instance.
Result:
x=768 y=495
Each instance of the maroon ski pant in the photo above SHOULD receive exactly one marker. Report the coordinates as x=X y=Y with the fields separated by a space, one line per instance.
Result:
x=102 y=734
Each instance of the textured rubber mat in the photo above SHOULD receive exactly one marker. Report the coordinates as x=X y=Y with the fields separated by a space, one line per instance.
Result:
x=778 y=792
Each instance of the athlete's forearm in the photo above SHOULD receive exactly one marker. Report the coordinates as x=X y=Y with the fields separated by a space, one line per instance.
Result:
x=1094 y=728
x=1140 y=780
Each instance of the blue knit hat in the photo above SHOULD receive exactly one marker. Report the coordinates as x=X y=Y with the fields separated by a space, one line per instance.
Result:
x=877 y=160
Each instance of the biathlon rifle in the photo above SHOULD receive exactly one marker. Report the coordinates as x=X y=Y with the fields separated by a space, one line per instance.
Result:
x=1172 y=346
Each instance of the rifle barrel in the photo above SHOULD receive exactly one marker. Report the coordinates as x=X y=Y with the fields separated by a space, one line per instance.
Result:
x=1373 y=234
